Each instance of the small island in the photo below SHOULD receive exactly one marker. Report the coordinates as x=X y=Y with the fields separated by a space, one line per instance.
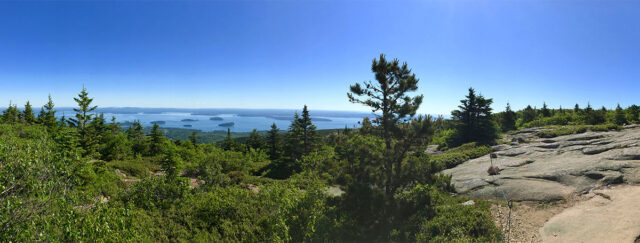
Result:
x=158 y=122
x=189 y=120
x=215 y=118
x=226 y=124
x=187 y=125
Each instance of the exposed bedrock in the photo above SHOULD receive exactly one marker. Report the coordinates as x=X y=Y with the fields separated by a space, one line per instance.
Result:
x=552 y=169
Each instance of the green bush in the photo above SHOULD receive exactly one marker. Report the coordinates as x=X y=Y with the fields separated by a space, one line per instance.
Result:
x=458 y=155
x=137 y=168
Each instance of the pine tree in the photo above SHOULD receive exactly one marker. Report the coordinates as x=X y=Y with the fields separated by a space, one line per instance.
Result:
x=11 y=115
x=114 y=126
x=27 y=116
x=193 y=138
x=255 y=140
x=508 y=119
x=83 y=115
x=389 y=96
x=136 y=135
x=228 y=143
x=474 y=117
x=576 y=108
x=528 y=114
x=302 y=138
x=633 y=113
x=157 y=140
x=274 y=143
x=49 y=118
x=620 y=118
x=82 y=119
x=545 y=110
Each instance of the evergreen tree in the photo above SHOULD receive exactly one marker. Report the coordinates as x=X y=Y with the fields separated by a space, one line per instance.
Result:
x=27 y=114
x=620 y=118
x=228 y=143
x=508 y=119
x=114 y=126
x=274 y=143
x=545 y=110
x=83 y=115
x=528 y=114
x=302 y=138
x=389 y=96
x=11 y=115
x=193 y=138
x=172 y=163
x=96 y=131
x=82 y=119
x=157 y=140
x=136 y=136
x=255 y=140
x=474 y=117
x=49 y=115
x=633 y=114
x=576 y=109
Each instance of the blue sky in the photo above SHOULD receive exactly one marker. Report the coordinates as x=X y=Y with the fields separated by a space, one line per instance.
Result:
x=284 y=54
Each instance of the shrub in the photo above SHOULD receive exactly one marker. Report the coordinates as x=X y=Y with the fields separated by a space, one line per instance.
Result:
x=458 y=155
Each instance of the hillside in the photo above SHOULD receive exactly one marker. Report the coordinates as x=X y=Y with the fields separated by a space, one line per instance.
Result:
x=586 y=177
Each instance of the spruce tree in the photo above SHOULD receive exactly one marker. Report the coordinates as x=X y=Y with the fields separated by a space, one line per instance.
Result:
x=274 y=143
x=302 y=138
x=528 y=114
x=633 y=114
x=136 y=136
x=11 y=115
x=255 y=140
x=157 y=140
x=545 y=110
x=27 y=114
x=49 y=119
x=193 y=138
x=508 y=119
x=620 y=118
x=474 y=117
x=83 y=112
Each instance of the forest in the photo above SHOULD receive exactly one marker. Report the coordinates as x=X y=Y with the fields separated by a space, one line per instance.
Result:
x=87 y=178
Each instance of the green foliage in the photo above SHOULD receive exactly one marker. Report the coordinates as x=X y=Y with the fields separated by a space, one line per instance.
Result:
x=158 y=192
x=474 y=117
x=551 y=133
x=508 y=119
x=456 y=156
x=135 y=167
x=27 y=114
x=274 y=143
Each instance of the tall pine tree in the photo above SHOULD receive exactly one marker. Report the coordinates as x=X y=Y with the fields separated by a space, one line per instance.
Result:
x=27 y=114
x=508 y=119
x=389 y=96
x=474 y=117
x=274 y=143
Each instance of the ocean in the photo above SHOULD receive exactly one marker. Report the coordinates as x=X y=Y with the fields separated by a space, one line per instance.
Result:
x=238 y=120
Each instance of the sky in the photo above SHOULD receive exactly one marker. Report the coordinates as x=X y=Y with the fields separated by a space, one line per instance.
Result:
x=284 y=54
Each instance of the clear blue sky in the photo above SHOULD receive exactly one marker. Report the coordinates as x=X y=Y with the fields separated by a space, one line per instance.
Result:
x=283 y=54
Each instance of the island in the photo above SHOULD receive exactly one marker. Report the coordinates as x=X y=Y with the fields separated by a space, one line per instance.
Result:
x=189 y=120
x=215 y=118
x=226 y=124
x=158 y=122
x=187 y=125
